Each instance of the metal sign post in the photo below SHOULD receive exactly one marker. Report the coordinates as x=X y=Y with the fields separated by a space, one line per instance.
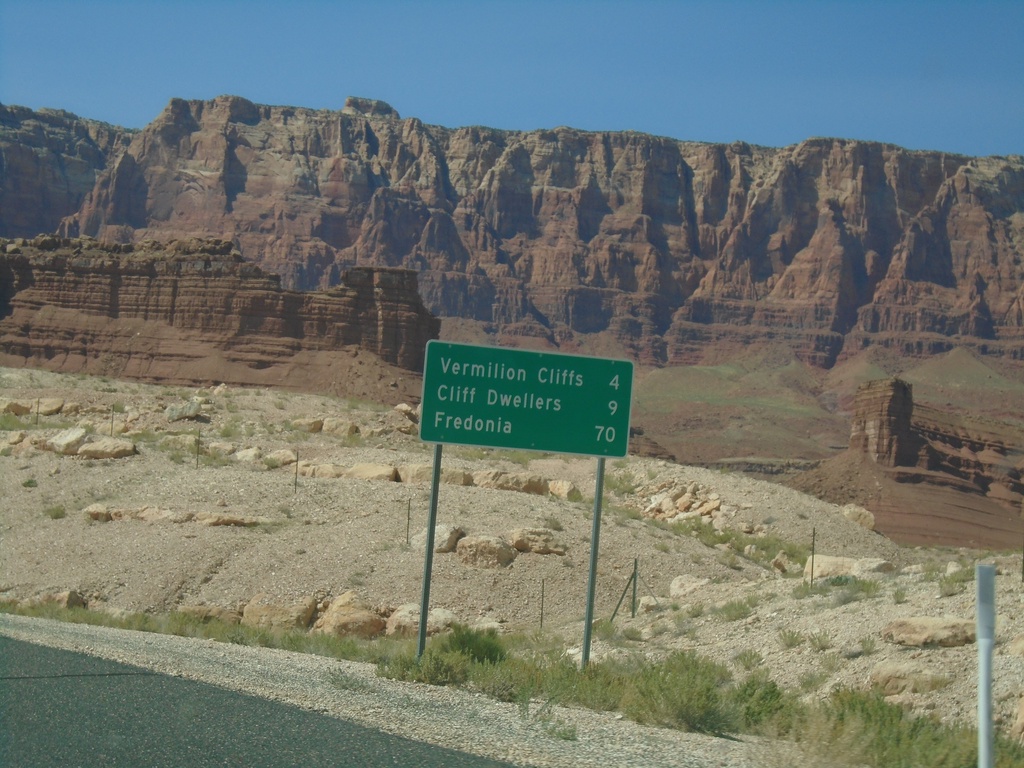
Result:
x=595 y=537
x=428 y=560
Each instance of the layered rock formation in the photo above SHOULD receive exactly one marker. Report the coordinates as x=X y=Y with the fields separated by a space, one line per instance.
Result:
x=927 y=445
x=664 y=245
x=928 y=476
x=881 y=426
x=195 y=310
x=49 y=161
x=647 y=246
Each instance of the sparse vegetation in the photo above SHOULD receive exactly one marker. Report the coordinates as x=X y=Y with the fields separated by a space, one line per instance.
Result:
x=56 y=512
x=748 y=659
x=763 y=547
x=622 y=484
x=820 y=641
x=955 y=582
x=10 y=423
x=790 y=638
x=735 y=610
x=868 y=645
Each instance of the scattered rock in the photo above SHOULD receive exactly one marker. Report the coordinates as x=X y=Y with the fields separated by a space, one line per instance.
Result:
x=248 y=455
x=213 y=519
x=446 y=538
x=348 y=614
x=405 y=621
x=539 y=541
x=564 y=489
x=342 y=427
x=859 y=515
x=685 y=585
x=67 y=442
x=188 y=410
x=828 y=566
x=923 y=631
x=485 y=551
x=107 y=448
x=269 y=612
x=372 y=472
x=408 y=411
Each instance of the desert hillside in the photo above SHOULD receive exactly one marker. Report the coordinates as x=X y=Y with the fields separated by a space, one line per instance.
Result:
x=276 y=508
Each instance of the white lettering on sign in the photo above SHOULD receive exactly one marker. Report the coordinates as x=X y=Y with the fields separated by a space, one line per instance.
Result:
x=471 y=423
x=498 y=371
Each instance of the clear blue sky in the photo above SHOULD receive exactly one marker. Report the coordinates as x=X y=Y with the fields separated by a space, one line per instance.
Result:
x=925 y=75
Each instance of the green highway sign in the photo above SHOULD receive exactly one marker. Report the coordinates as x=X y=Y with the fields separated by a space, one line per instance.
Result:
x=513 y=398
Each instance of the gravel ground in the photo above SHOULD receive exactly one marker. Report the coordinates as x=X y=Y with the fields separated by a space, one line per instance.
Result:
x=442 y=716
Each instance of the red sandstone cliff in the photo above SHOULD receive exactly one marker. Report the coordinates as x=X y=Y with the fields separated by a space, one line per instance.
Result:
x=194 y=310
x=659 y=247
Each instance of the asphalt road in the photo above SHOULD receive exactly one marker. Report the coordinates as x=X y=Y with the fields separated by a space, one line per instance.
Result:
x=59 y=708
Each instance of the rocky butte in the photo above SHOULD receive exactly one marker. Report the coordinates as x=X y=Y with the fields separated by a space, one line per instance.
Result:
x=617 y=241
x=194 y=311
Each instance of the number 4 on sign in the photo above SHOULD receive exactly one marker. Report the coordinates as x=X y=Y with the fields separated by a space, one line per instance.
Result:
x=614 y=383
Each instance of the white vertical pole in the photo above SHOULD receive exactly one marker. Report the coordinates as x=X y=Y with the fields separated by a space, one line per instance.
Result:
x=985 y=576
x=595 y=539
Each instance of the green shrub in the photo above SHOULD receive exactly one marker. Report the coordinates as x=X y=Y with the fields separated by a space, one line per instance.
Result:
x=734 y=610
x=806 y=589
x=30 y=483
x=684 y=691
x=11 y=423
x=436 y=667
x=55 y=513
x=877 y=733
x=759 y=700
x=480 y=646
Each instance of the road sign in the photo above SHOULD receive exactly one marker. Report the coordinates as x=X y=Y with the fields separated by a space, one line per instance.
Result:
x=513 y=398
